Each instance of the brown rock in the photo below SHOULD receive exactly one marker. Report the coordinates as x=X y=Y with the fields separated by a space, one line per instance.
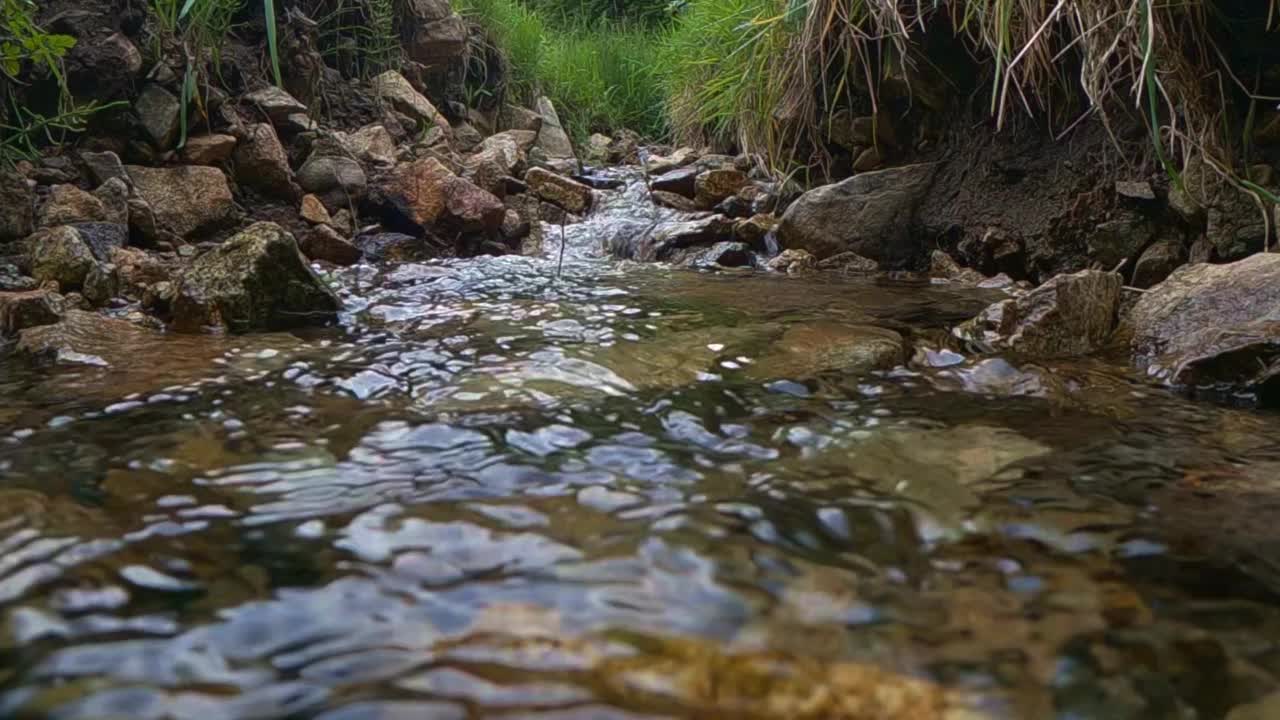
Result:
x=393 y=88
x=208 y=149
x=68 y=204
x=755 y=229
x=17 y=207
x=114 y=196
x=22 y=310
x=313 y=211
x=714 y=186
x=568 y=194
x=325 y=244
x=60 y=255
x=185 y=200
x=262 y=164
x=1068 y=316
x=139 y=270
x=849 y=262
x=422 y=193
x=674 y=201
x=793 y=262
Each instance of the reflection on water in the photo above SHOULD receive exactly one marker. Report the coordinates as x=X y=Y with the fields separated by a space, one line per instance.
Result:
x=627 y=492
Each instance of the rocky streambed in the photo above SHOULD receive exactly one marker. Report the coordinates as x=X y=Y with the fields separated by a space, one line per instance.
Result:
x=569 y=482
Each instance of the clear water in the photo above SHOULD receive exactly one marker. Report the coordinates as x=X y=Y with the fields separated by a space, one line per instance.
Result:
x=628 y=491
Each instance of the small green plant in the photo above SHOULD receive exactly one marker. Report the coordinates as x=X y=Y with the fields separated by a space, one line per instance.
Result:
x=359 y=36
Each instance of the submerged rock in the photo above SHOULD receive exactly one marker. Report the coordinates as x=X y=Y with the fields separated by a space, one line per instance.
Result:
x=186 y=201
x=257 y=280
x=1068 y=316
x=669 y=239
x=394 y=247
x=724 y=254
x=809 y=348
x=1212 y=324
x=870 y=214
x=568 y=194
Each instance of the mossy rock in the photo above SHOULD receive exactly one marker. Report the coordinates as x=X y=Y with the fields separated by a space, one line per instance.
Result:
x=257 y=280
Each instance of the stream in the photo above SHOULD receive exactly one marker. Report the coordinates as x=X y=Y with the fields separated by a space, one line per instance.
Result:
x=502 y=488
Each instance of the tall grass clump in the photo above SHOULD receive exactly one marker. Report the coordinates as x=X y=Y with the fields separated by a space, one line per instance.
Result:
x=601 y=75
x=766 y=73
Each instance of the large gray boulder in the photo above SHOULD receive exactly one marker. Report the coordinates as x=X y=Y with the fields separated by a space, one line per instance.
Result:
x=186 y=201
x=870 y=214
x=257 y=280
x=1069 y=316
x=1212 y=324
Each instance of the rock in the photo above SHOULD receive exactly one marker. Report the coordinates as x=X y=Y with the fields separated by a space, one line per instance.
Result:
x=102 y=284
x=342 y=222
x=324 y=243
x=870 y=214
x=313 y=211
x=186 y=201
x=868 y=159
x=114 y=196
x=159 y=112
x=1211 y=324
x=849 y=262
x=69 y=204
x=415 y=196
x=1266 y=708
x=1158 y=262
x=681 y=181
x=497 y=159
x=672 y=237
x=142 y=223
x=276 y=103
x=12 y=279
x=724 y=254
x=371 y=144
x=568 y=194
x=674 y=201
x=393 y=247
x=1236 y=226
x=102 y=238
x=598 y=149
x=1069 y=316
x=102 y=66
x=1120 y=240
x=755 y=230
x=514 y=117
x=87 y=338
x=257 y=280
x=434 y=33
x=555 y=215
x=942 y=265
x=553 y=142
x=17 y=207
x=660 y=164
x=395 y=90
x=262 y=164
x=104 y=166
x=793 y=262
x=212 y=149
x=340 y=182
x=465 y=137
x=1135 y=190
x=139 y=270
x=22 y=310
x=514 y=227
x=59 y=255
x=809 y=348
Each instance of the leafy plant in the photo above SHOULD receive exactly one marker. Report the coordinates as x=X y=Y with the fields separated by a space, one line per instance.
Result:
x=359 y=37
x=21 y=40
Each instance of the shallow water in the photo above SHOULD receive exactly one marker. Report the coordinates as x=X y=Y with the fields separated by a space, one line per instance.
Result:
x=627 y=491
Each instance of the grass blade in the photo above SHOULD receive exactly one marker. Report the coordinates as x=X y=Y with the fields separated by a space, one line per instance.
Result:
x=269 y=7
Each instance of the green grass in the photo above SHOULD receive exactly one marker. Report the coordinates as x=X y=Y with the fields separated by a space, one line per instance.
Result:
x=601 y=75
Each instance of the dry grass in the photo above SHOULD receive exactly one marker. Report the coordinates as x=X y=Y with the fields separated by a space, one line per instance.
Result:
x=1043 y=57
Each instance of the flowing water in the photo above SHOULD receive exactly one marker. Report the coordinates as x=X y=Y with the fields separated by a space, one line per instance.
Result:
x=627 y=491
